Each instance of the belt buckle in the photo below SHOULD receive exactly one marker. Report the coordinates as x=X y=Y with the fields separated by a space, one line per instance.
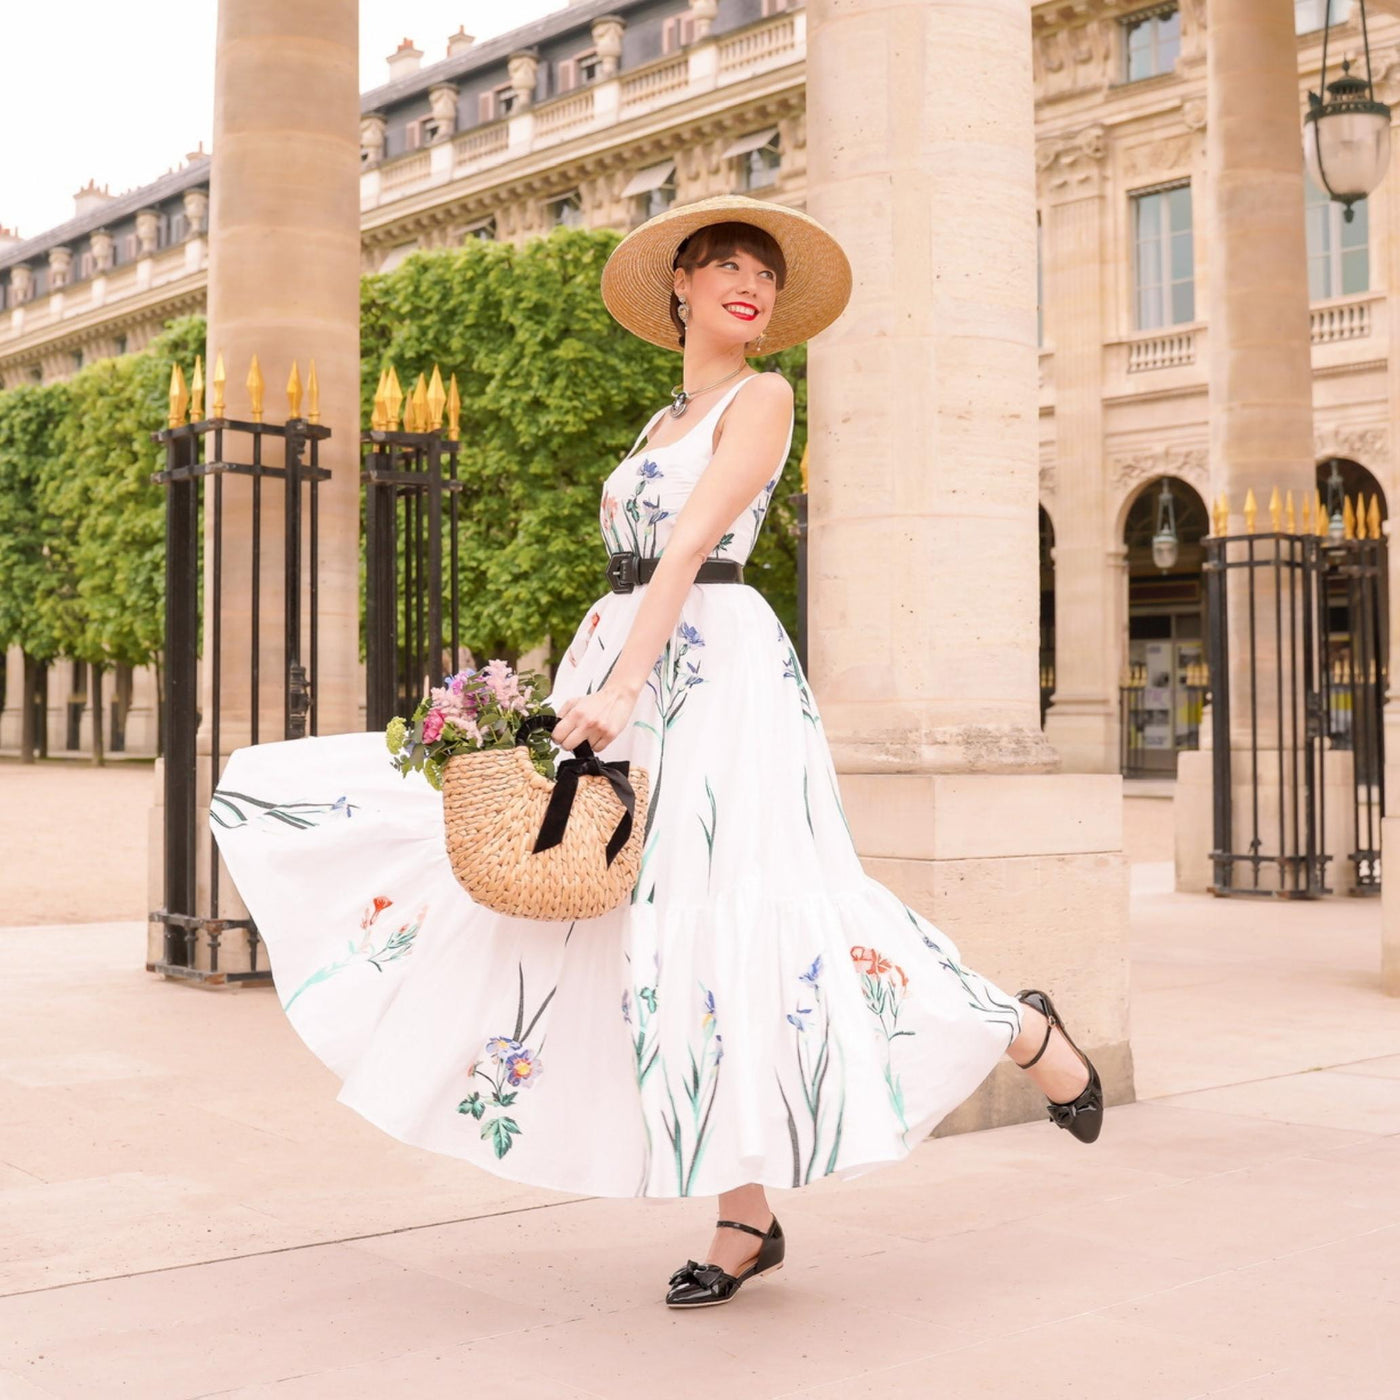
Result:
x=622 y=572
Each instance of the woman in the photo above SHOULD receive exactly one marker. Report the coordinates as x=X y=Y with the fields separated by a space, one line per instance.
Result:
x=761 y=1013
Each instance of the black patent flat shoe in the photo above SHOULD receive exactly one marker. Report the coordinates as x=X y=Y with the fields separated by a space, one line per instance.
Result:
x=707 y=1285
x=1082 y=1116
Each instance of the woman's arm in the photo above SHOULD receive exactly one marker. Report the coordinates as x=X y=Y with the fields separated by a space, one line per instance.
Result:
x=756 y=426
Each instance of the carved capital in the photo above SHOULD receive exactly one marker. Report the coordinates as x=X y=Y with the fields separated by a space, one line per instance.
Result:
x=147 y=231
x=197 y=210
x=1071 y=166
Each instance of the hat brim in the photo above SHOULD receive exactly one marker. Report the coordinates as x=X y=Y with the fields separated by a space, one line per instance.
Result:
x=639 y=275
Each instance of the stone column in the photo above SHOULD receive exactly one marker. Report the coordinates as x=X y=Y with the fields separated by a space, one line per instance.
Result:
x=924 y=522
x=1260 y=375
x=1083 y=721
x=284 y=262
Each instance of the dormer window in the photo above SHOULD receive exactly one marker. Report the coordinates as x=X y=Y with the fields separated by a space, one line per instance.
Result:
x=499 y=102
x=677 y=33
x=578 y=71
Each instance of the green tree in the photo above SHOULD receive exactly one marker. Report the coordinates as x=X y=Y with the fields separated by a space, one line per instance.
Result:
x=32 y=585
x=553 y=393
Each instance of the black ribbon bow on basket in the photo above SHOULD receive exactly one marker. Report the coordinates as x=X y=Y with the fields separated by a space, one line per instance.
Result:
x=584 y=763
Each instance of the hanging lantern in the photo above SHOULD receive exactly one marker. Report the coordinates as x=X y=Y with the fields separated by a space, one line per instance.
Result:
x=1165 y=543
x=1346 y=134
x=1336 y=503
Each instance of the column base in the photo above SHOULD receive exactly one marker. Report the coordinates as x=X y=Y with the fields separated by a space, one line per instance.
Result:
x=1026 y=874
x=1085 y=735
x=1390 y=914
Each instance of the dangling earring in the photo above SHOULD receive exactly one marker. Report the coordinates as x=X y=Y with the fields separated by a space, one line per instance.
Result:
x=758 y=341
x=683 y=311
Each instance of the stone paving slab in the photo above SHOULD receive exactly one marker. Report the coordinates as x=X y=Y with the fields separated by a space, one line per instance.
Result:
x=185 y=1211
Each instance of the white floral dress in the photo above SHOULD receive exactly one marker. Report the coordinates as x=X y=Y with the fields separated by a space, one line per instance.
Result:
x=760 y=1011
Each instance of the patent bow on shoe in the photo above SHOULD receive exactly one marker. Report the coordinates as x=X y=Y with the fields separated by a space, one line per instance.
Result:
x=1082 y=1116
x=706 y=1285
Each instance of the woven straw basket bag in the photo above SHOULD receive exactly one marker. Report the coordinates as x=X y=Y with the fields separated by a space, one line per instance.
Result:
x=511 y=853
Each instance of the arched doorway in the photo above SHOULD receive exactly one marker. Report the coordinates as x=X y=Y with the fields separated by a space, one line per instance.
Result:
x=1047 y=612
x=1163 y=687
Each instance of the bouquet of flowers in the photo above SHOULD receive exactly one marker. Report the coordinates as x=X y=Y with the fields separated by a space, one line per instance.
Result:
x=468 y=713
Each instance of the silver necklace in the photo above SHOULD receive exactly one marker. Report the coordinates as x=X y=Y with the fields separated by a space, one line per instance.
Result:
x=680 y=399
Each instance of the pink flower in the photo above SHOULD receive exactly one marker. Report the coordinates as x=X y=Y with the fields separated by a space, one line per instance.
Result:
x=432 y=726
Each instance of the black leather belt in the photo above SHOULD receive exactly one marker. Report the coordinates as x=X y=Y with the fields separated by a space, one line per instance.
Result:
x=626 y=571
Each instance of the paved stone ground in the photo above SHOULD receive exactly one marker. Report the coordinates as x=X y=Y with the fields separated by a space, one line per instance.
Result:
x=73 y=841
x=185 y=1211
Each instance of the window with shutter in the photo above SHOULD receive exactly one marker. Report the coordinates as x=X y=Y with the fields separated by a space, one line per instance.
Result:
x=486 y=107
x=677 y=32
x=566 y=77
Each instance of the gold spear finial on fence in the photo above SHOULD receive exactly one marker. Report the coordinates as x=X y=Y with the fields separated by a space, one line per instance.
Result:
x=1319 y=516
x=420 y=404
x=1373 y=518
x=254 y=384
x=1275 y=512
x=410 y=413
x=179 y=396
x=1219 y=515
x=216 y=407
x=294 y=392
x=313 y=394
x=1307 y=513
x=1348 y=519
x=437 y=400
x=379 y=408
x=1251 y=510
x=197 y=391
x=1290 y=521
x=454 y=410
x=393 y=398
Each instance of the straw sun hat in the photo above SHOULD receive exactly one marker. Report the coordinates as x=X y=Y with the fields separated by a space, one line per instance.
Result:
x=639 y=275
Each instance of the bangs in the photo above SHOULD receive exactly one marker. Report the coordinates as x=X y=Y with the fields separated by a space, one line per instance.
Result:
x=715 y=242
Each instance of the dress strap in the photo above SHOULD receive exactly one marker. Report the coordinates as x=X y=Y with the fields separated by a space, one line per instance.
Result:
x=650 y=424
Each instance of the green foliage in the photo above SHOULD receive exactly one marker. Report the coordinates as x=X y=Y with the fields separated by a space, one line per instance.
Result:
x=32 y=585
x=101 y=476
x=553 y=393
x=81 y=523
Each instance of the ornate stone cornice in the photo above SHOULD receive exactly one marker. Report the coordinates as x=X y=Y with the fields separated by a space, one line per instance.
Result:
x=1368 y=445
x=1192 y=464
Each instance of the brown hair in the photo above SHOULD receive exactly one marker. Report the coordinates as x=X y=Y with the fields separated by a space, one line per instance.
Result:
x=714 y=242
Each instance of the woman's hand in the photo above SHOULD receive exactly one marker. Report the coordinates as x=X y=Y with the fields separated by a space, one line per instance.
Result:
x=598 y=718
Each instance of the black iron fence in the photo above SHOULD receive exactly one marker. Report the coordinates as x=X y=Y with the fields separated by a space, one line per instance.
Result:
x=283 y=459
x=412 y=492
x=1296 y=633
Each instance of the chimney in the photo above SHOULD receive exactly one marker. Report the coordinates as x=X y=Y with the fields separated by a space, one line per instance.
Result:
x=199 y=153
x=89 y=198
x=8 y=237
x=459 y=42
x=404 y=61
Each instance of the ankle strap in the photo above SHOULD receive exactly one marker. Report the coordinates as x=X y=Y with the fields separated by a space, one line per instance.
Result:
x=1049 y=1027
x=747 y=1229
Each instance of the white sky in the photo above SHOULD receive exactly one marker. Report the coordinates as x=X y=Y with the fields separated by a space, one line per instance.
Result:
x=121 y=92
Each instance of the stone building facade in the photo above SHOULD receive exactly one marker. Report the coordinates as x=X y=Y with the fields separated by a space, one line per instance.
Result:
x=601 y=114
